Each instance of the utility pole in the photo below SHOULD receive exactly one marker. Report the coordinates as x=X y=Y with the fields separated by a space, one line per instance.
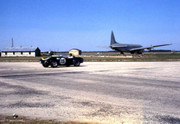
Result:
x=12 y=43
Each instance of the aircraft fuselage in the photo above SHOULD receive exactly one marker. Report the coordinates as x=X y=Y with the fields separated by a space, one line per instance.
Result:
x=124 y=47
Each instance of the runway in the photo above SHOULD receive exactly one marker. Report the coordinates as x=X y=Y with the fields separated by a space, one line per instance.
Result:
x=103 y=92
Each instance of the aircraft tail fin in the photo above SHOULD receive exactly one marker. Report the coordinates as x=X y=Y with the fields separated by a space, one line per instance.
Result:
x=113 y=41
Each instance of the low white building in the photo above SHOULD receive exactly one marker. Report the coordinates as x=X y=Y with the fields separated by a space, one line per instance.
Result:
x=20 y=51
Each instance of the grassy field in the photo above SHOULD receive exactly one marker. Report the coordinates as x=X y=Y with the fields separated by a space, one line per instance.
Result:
x=150 y=57
x=137 y=58
x=24 y=120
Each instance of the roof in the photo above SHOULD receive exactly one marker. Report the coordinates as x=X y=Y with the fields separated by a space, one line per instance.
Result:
x=19 y=49
x=76 y=49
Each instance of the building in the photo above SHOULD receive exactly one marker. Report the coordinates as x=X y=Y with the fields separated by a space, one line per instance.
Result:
x=20 y=51
x=75 y=52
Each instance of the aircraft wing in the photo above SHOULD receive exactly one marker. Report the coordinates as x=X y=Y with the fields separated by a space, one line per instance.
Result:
x=149 y=48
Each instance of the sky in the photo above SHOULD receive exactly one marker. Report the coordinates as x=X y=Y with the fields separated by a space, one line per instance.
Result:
x=87 y=24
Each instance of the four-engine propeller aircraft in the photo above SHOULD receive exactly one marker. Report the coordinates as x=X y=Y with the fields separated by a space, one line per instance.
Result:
x=132 y=48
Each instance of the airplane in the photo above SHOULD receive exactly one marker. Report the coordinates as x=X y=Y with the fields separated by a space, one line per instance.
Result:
x=132 y=48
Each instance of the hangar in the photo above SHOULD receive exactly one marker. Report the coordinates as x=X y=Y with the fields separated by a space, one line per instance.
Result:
x=20 y=51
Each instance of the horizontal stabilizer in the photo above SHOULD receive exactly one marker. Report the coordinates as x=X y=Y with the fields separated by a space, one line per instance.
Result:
x=105 y=47
x=119 y=45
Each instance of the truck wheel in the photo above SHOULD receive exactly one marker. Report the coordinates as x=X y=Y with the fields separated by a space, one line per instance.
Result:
x=76 y=63
x=54 y=64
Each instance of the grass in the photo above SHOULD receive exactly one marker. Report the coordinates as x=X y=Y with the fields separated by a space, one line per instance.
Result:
x=150 y=57
x=25 y=120
x=144 y=58
x=21 y=59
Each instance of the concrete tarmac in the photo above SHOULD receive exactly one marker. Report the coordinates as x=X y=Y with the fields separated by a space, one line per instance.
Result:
x=103 y=92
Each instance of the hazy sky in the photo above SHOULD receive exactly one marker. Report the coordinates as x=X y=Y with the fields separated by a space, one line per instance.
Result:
x=87 y=24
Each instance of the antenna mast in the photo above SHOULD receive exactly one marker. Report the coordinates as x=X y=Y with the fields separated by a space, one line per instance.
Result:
x=12 y=43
